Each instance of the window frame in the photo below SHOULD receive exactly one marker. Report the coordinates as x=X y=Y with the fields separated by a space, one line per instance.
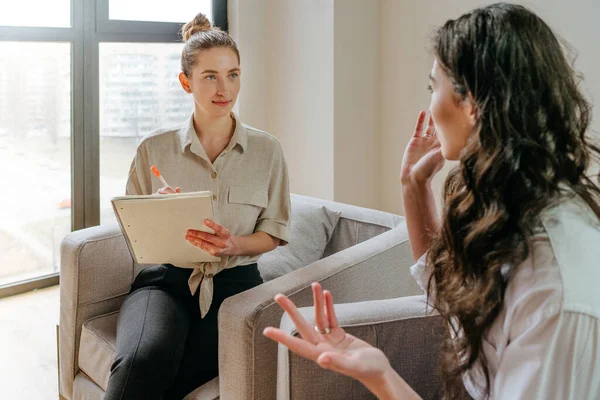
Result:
x=90 y=26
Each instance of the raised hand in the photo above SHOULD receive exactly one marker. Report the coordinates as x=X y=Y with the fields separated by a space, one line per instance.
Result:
x=423 y=155
x=327 y=344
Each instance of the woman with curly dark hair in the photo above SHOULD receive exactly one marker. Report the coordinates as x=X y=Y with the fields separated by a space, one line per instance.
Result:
x=514 y=262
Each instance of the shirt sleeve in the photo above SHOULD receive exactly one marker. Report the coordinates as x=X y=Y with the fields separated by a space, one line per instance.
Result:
x=420 y=272
x=275 y=218
x=139 y=181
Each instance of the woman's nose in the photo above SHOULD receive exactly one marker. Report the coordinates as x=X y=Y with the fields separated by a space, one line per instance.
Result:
x=222 y=88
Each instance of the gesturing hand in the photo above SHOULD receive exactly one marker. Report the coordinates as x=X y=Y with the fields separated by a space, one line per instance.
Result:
x=330 y=347
x=221 y=243
x=423 y=155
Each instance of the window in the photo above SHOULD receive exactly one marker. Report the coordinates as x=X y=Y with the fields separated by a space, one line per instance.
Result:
x=35 y=156
x=48 y=13
x=139 y=92
x=171 y=11
x=81 y=82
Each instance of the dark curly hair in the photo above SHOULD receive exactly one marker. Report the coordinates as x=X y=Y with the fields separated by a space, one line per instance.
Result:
x=528 y=149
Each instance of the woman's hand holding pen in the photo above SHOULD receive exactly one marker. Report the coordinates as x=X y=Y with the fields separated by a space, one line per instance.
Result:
x=221 y=243
x=167 y=189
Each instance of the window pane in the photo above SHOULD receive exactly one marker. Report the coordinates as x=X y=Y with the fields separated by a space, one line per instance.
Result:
x=166 y=11
x=139 y=92
x=46 y=13
x=35 y=157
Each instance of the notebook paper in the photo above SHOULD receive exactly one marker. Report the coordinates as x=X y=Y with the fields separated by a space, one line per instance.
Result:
x=155 y=226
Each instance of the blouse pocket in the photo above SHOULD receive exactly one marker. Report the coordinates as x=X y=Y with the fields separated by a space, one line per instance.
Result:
x=244 y=206
x=252 y=197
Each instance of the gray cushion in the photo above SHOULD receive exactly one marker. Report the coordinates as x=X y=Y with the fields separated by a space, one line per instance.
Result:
x=208 y=391
x=97 y=348
x=311 y=229
x=97 y=353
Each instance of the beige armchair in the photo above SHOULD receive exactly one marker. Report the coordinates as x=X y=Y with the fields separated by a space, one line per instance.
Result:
x=366 y=257
x=400 y=327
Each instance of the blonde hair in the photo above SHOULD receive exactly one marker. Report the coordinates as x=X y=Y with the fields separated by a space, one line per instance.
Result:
x=198 y=35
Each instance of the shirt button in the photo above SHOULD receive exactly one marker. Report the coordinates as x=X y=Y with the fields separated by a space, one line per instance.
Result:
x=214 y=175
x=209 y=276
x=214 y=197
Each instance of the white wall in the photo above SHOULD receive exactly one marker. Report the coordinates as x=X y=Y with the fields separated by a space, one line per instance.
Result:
x=340 y=82
x=286 y=48
x=406 y=27
x=300 y=92
x=357 y=105
x=303 y=83
x=248 y=25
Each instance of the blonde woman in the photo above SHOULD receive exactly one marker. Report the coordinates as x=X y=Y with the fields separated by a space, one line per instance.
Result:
x=167 y=336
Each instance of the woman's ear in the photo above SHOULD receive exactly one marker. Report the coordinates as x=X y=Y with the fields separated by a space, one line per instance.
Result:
x=470 y=110
x=185 y=83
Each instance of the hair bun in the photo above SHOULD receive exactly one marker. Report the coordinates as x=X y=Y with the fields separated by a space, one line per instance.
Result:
x=200 y=23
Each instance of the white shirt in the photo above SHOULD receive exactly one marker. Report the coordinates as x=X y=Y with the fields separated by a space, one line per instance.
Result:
x=545 y=344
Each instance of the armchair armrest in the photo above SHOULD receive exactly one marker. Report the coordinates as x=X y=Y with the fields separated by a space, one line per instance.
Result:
x=95 y=275
x=375 y=269
x=400 y=327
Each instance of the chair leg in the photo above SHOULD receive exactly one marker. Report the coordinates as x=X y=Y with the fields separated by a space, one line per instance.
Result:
x=60 y=397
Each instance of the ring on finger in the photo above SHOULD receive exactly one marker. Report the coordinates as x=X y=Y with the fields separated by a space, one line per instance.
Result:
x=325 y=330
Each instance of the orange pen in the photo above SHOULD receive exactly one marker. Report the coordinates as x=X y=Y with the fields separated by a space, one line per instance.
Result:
x=158 y=175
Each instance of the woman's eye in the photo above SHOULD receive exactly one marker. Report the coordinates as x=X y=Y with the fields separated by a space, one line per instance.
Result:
x=211 y=77
x=234 y=75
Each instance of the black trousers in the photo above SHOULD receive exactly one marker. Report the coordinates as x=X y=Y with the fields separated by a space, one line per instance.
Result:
x=164 y=349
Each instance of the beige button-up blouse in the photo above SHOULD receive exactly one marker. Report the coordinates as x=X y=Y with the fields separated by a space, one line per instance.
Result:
x=249 y=181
